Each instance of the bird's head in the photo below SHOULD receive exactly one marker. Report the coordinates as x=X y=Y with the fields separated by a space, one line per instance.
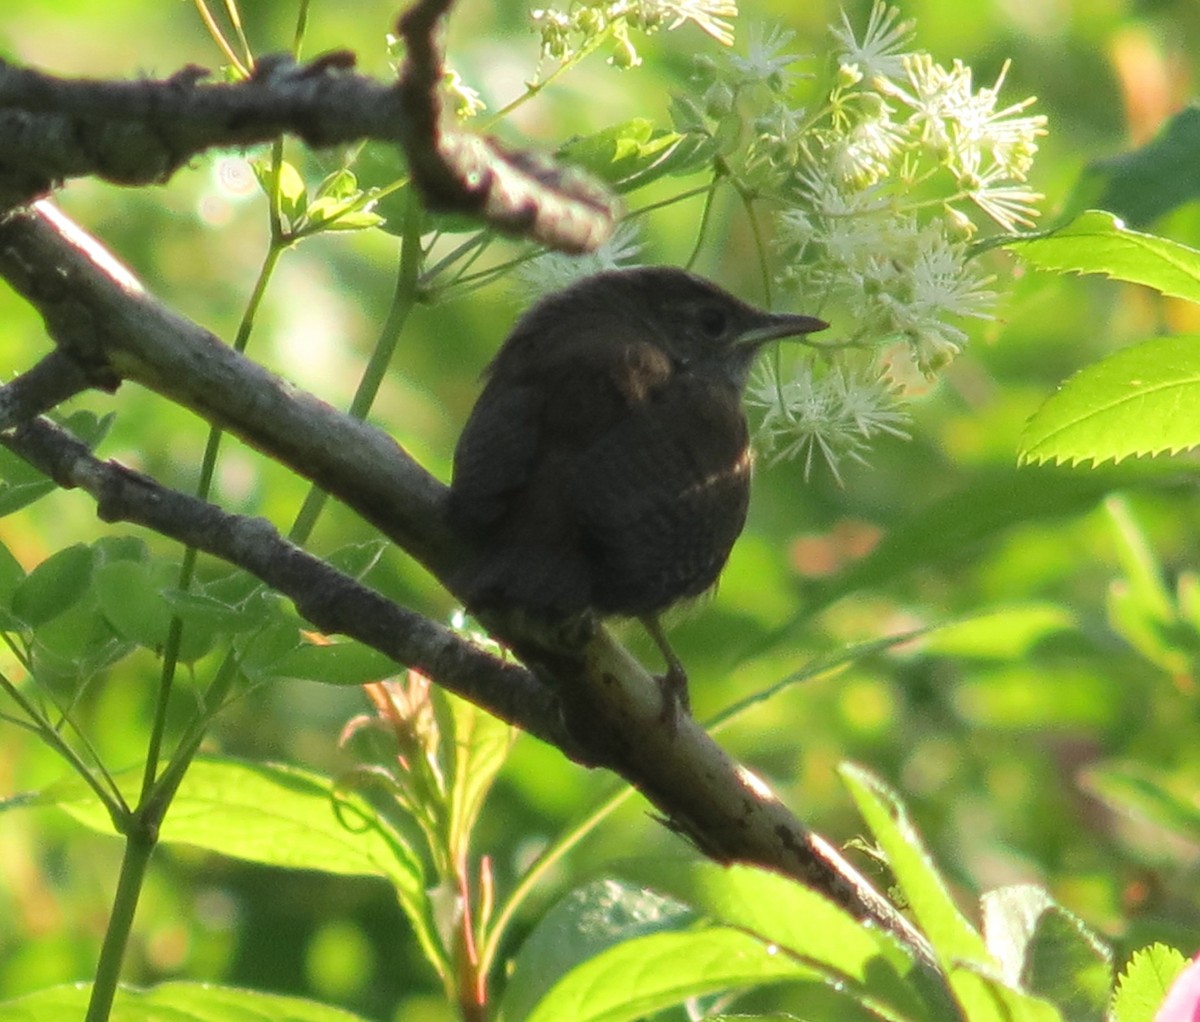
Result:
x=701 y=327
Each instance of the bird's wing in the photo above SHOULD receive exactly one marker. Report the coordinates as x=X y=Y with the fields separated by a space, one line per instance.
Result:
x=512 y=494
x=496 y=453
x=664 y=497
x=545 y=413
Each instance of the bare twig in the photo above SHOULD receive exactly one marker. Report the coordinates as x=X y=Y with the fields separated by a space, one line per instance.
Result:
x=94 y=314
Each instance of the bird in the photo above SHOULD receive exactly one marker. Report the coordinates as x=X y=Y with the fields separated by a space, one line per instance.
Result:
x=605 y=466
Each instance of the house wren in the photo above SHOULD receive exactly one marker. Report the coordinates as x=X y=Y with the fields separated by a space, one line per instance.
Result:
x=606 y=465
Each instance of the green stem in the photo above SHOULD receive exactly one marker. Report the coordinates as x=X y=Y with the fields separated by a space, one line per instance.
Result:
x=140 y=838
x=141 y=827
x=187 y=570
x=705 y=219
x=489 y=945
x=40 y=726
x=760 y=247
x=301 y=28
x=650 y=207
x=533 y=88
x=403 y=301
x=214 y=698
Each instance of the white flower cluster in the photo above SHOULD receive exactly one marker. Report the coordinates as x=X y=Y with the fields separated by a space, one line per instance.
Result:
x=874 y=188
x=872 y=179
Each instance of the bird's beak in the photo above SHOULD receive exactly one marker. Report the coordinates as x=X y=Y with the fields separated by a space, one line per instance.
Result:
x=779 y=325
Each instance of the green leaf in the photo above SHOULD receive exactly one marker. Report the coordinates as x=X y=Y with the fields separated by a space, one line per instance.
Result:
x=354 y=220
x=1144 y=983
x=1140 y=563
x=1141 y=400
x=236 y=589
x=984 y=998
x=338 y=215
x=14 y=496
x=1141 y=609
x=260 y=651
x=265 y=813
x=339 y=185
x=651 y=973
x=77 y=643
x=1005 y=634
x=1069 y=967
x=608 y=952
x=135 y=596
x=982 y=995
x=632 y=154
x=88 y=426
x=293 y=199
x=481 y=745
x=122 y=548
x=357 y=559
x=176 y=1002
x=11 y=575
x=338 y=663
x=865 y=962
x=292 y=196
x=1048 y=951
x=579 y=927
x=1097 y=242
x=54 y=586
x=1142 y=792
x=199 y=610
x=277 y=816
x=332 y=206
x=954 y=939
x=130 y=597
x=1150 y=181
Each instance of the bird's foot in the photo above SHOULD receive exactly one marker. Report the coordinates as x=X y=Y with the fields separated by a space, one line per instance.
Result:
x=674 y=684
x=676 y=703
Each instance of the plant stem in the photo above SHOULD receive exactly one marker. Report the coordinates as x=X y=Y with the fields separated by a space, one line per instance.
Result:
x=187 y=570
x=140 y=827
x=141 y=835
x=403 y=300
x=498 y=928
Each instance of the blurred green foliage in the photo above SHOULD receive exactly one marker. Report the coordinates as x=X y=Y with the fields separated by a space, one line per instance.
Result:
x=1053 y=740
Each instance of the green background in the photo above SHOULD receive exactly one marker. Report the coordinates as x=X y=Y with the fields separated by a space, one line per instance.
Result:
x=993 y=733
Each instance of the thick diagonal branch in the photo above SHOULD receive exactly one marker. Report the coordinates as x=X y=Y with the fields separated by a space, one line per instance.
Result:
x=331 y=600
x=97 y=316
x=608 y=703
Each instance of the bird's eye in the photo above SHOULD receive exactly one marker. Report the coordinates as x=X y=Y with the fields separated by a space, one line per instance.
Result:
x=713 y=322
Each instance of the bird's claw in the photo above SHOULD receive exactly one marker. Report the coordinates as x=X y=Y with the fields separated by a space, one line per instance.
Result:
x=676 y=702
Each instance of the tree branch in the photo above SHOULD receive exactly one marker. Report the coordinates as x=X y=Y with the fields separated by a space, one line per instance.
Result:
x=99 y=316
x=52 y=381
x=609 y=704
x=138 y=133
x=331 y=600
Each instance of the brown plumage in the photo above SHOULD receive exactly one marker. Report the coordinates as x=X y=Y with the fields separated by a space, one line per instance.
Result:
x=606 y=465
